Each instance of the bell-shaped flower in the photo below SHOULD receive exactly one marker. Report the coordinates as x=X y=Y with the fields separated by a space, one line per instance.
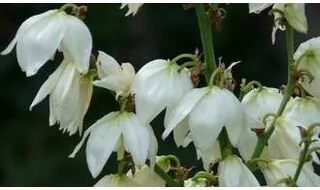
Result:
x=158 y=85
x=116 y=180
x=118 y=131
x=307 y=57
x=233 y=173
x=113 y=76
x=69 y=96
x=257 y=103
x=276 y=171
x=133 y=8
x=39 y=37
x=208 y=110
x=303 y=112
x=146 y=177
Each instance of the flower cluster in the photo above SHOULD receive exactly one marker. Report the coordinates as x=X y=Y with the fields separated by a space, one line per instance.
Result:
x=273 y=130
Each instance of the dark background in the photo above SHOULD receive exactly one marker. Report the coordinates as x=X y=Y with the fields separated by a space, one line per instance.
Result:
x=34 y=154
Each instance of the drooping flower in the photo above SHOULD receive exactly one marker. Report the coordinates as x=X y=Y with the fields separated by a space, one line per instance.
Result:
x=233 y=173
x=146 y=177
x=113 y=76
x=277 y=170
x=158 y=85
x=118 y=131
x=209 y=157
x=133 y=8
x=116 y=180
x=69 y=96
x=208 y=110
x=257 y=103
x=303 y=112
x=307 y=57
x=294 y=13
x=40 y=36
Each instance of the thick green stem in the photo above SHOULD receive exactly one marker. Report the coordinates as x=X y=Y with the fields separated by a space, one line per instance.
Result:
x=168 y=179
x=206 y=39
x=263 y=139
x=302 y=160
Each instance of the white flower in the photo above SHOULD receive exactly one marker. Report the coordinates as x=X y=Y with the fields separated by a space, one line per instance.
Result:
x=209 y=157
x=257 y=103
x=294 y=14
x=116 y=180
x=69 y=96
x=198 y=182
x=118 y=131
x=208 y=110
x=158 y=85
x=277 y=170
x=133 y=8
x=285 y=139
x=233 y=173
x=146 y=177
x=304 y=112
x=113 y=76
x=41 y=35
x=307 y=57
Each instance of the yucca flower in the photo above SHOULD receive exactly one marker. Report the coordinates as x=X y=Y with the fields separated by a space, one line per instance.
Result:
x=277 y=170
x=257 y=104
x=233 y=173
x=113 y=76
x=158 y=85
x=207 y=110
x=307 y=57
x=40 y=36
x=69 y=96
x=119 y=132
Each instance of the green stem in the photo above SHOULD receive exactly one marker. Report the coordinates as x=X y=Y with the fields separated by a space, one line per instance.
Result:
x=121 y=166
x=302 y=160
x=168 y=179
x=206 y=39
x=263 y=139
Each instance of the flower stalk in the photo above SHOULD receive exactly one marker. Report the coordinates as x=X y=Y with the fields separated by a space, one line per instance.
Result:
x=206 y=39
x=263 y=139
x=168 y=179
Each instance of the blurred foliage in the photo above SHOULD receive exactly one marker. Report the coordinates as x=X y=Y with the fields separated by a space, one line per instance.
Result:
x=34 y=154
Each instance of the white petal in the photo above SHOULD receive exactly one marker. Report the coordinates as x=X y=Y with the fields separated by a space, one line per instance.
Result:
x=233 y=173
x=115 y=83
x=211 y=156
x=101 y=143
x=180 y=132
x=150 y=96
x=284 y=141
x=183 y=109
x=153 y=148
x=115 y=181
x=78 y=42
x=25 y=26
x=258 y=7
x=136 y=138
x=150 y=69
x=49 y=85
x=39 y=43
x=107 y=65
x=206 y=121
